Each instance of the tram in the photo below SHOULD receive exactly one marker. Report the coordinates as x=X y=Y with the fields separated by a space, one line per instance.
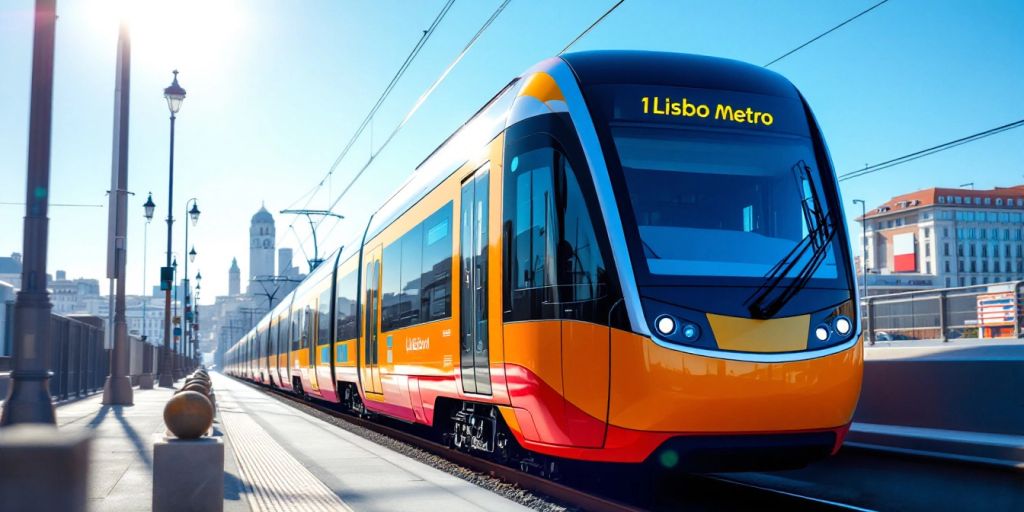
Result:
x=624 y=256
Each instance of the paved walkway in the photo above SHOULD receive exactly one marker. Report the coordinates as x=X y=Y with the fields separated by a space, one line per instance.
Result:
x=121 y=469
x=276 y=458
x=365 y=475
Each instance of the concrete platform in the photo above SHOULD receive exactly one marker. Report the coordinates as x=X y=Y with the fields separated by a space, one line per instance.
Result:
x=276 y=458
x=121 y=456
x=284 y=448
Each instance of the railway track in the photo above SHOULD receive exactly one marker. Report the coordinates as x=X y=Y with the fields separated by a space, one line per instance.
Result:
x=693 y=492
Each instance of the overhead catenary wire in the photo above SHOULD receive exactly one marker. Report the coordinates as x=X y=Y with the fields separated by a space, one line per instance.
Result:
x=825 y=33
x=376 y=107
x=591 y=27
x=929 y=151
x=444 y=74
x=419 y=102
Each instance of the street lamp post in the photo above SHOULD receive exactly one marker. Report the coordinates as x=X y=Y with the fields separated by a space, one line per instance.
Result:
x=193 y=215
x=146 y=381
x=174 y=94
x=863 y=246
x=28 y=399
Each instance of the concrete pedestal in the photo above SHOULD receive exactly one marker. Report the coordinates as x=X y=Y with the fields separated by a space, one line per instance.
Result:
x=188 y=474
x=118 y=391
x=146 y=381
x=42 y=468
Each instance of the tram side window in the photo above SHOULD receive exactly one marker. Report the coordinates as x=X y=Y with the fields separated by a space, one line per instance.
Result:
x=554 y=259
x=391 y=286
x=346 y=307
x=417 y=282
x=308 y=319
x=271 y=338
x=324 y=322
x=284 y=334
x=412 y=265
x=436 y=273
x=296 y=317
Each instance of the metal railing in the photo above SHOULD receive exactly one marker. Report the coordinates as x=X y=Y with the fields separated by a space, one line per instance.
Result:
x=80 y=362
x=943 y=313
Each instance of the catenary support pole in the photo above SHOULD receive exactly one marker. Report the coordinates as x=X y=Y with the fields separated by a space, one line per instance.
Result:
x=118 y=388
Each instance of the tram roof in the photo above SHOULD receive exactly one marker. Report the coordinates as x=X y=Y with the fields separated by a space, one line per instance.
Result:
x=676 y=69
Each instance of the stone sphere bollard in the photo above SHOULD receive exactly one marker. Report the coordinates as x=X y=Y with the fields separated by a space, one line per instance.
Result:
x=198 y=387
x=188 y=415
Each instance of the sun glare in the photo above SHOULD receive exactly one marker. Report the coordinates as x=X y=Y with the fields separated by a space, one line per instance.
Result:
x=197 y=35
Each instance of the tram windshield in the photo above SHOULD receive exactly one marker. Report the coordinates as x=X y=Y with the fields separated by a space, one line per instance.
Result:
x=714 y=193
x=715 y=204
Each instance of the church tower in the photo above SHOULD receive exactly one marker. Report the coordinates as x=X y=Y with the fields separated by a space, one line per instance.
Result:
x=261 y=246
x=234 y=279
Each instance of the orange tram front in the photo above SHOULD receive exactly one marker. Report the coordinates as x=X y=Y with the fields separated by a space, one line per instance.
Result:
x=623 y=257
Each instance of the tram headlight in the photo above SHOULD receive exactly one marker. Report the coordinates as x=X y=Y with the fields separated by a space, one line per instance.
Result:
x=821 y=333
x=842 y=325
x=666 y=325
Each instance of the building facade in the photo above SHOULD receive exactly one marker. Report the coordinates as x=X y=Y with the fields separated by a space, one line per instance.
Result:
x=943 y=238
x=69 y=295
x=10 y=270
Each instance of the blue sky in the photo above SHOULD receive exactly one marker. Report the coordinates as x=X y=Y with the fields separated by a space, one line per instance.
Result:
x=275 y=89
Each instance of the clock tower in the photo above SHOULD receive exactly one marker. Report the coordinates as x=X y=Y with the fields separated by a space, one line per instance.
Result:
x=262 y=236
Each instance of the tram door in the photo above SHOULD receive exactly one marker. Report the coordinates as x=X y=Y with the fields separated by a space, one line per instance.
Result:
x=475 y=363
x=370 y=370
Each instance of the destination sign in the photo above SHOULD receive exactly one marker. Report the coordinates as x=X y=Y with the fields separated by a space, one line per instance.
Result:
x=684 y=108
x=700 y=107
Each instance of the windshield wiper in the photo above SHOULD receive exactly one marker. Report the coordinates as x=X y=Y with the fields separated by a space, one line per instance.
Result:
x=771 y=296
x=649 y=249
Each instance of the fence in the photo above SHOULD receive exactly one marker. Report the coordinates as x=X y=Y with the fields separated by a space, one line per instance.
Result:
x=945 y=313
x=79 y=361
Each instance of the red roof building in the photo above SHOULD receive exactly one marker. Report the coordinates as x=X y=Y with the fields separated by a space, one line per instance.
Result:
x=945 y=237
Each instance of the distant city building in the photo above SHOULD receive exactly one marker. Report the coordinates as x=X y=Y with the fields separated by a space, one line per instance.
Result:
x=232 y=315
x=284 y=263
x=69 y=295
x=234 y=279
x=10 y=270
x=262 y=244
x=945 y=237
x=144 y=316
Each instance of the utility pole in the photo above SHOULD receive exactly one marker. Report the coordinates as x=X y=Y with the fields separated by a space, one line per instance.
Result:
x=118 y=388
x=277 y=288
x=29 y=400
x=313 y=263
x=863 y=246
